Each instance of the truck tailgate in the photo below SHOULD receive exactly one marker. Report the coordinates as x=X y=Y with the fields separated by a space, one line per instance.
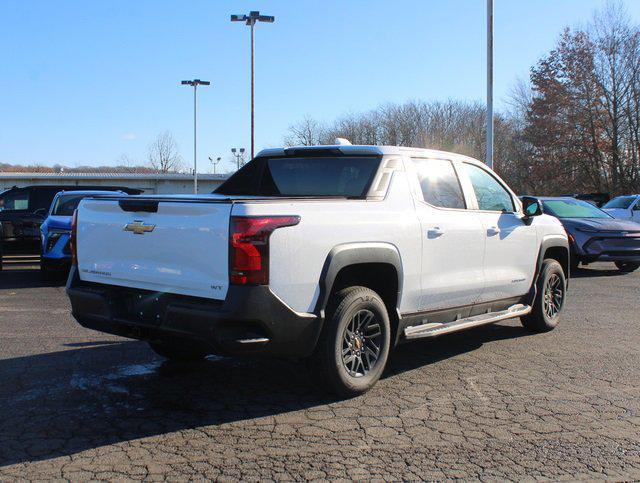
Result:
x=181 y=248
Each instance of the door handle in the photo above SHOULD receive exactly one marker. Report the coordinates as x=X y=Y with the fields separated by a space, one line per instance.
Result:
x=494 y=230
x=435 y=232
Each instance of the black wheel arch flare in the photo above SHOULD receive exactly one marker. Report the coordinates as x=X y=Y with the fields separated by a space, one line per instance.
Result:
x=349 y=254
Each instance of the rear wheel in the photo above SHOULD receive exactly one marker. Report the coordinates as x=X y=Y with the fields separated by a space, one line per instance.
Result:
x=178 y=350
x=627 y=266
x=354 y=345
x=550 y=297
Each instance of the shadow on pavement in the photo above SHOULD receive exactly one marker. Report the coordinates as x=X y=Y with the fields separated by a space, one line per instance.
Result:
x=65 y=402
x=600 y=271
x=19 y=277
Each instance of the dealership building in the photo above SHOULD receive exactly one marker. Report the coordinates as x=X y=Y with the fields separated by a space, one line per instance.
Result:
x=151 y=183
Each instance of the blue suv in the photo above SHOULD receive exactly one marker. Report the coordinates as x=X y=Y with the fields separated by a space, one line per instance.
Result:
x=55 y=230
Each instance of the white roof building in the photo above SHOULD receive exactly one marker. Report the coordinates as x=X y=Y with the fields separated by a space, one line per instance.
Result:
x=158 y=183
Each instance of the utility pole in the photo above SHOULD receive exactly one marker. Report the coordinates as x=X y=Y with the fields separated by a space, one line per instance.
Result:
x=251 y=20
x=195 y=83
x=489 y=153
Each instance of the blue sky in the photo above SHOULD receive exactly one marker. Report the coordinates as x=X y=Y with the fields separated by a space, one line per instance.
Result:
x=86 y=82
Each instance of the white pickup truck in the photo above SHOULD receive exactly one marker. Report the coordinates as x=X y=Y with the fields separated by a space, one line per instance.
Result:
x=335 y=254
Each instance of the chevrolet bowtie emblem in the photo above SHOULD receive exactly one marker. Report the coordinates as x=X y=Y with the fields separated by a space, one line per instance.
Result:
x=138 y=227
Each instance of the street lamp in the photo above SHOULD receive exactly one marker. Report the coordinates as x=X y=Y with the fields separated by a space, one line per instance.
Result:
x=489 y=153
x=195 y=83
x=251 y=20
x=215 y=163
x=239 y=155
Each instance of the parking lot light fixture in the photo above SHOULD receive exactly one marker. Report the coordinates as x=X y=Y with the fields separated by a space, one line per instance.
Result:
x=238 y=154
x=195 y=83
x=215 y=162
x=251 y=20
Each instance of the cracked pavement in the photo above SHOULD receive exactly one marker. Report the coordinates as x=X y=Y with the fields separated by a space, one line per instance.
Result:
x=492 y=403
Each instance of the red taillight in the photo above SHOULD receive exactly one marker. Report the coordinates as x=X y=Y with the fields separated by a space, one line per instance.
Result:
x=249 y=247
x=73 y=245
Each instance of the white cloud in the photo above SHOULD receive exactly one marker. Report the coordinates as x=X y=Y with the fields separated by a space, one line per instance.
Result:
x=129 y=136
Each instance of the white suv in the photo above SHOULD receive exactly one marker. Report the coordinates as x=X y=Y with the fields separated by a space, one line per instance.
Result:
x=335 y=254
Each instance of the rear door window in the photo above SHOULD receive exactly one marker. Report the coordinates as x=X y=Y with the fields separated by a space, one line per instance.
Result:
x=439 y=183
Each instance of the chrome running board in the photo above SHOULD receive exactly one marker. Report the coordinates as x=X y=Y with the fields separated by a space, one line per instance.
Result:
x=434 y=329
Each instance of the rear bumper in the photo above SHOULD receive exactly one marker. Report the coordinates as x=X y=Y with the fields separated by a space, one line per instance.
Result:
x=251 y=320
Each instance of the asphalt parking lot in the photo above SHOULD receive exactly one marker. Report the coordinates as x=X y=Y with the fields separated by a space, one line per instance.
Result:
x=492 y=403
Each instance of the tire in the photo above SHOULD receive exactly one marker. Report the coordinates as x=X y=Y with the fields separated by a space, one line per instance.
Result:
x=627 y=266
x=543 y=317
x=178 y=351
x=357 y=324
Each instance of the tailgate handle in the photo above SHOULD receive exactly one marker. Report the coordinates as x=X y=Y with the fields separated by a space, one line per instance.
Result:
x=150 y=206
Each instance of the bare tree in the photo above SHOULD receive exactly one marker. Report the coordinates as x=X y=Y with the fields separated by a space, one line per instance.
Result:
x=307 y=132
x=574 y=127
x=163 y=154
x=581 y=122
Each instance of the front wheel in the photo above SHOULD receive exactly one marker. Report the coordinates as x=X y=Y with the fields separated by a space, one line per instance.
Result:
x=354 y=345
x=550 y=297
x=178 y=350
x=627 y=266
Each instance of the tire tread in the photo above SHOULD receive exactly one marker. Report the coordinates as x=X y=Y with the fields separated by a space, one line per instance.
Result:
x=320 y=361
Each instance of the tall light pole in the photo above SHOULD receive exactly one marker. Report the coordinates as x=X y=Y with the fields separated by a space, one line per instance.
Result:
x=195 y=83
x=489 y=158
x=251 y=20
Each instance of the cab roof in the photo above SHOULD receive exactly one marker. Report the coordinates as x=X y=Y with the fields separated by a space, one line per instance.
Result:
x=360 y=150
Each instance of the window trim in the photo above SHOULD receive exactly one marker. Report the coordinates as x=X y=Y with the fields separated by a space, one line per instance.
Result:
x=517 y=207
x=419 y=192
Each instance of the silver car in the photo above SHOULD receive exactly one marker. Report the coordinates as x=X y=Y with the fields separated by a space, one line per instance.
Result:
x=624 y=207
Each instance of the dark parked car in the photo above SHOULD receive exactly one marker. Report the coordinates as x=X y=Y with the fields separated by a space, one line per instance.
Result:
x=597 y=199
x=594 y=235
x=22 y=211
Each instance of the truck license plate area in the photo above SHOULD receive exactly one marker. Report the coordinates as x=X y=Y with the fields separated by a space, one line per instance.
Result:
x=139 y=306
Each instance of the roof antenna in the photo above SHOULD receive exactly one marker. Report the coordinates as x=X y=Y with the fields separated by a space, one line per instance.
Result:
x=343 y=142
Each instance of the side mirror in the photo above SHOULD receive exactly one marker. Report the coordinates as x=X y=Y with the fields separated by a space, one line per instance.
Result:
x=531 y=206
